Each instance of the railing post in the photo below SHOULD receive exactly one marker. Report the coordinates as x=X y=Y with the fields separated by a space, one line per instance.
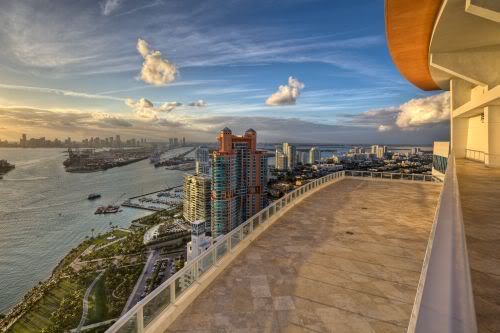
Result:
x=172 y=292
x=140 y=320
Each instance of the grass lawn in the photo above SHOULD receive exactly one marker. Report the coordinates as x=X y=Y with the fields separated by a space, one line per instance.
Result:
x=39 y=317
x=98 y=310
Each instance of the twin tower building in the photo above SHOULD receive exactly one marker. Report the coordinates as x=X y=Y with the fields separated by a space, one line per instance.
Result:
x=229 y=185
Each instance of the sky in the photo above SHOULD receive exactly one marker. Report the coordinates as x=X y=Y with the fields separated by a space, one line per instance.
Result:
x=294 y=70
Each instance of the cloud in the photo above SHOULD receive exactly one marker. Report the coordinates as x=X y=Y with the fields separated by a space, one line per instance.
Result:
x=108 y=120
x=286 y=95
x=420 y=112
x=59 y=92
x=199 y=103
x=384 y=128
x=144 y=108
x=155 y=70
x=109 y=6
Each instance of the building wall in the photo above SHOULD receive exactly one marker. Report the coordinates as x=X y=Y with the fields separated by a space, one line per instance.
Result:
x=477 y=133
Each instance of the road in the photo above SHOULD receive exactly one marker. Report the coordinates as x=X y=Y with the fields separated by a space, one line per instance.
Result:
x=135 y=296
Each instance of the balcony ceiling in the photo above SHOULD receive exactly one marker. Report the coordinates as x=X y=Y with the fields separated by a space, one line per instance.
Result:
x=409 y=25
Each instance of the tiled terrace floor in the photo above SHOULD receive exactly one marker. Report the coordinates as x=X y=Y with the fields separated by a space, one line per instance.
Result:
x=480 y=197
x=346 y=259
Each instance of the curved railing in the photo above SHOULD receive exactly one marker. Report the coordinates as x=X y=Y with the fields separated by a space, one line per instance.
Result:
x=393 y=176
x=444 y=301
x=159 y=300
x=143 y=315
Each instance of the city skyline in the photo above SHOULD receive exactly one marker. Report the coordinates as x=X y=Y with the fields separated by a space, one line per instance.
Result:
x=149 y=70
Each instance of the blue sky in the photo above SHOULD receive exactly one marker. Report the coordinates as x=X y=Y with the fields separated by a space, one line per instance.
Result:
x=73 y=68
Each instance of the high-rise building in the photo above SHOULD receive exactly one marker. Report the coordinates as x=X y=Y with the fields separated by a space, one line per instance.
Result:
x=183 y=141
x=302 y=157
x=291 y=155
x=314 y=155
x=281 y=162
x=196 y=205
x=23 y=141
x=176 y=141
x=202 y=161
x=378 y=150
x=118 y=141
x=239 y=178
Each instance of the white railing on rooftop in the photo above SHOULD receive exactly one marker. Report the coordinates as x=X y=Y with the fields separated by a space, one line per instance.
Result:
x=393 y=176
x=444 y=301
x=481 y=156
x=142 y=315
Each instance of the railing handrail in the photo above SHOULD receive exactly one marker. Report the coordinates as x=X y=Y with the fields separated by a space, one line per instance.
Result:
x=480 y=151
x=444 y=300
x=194 y=263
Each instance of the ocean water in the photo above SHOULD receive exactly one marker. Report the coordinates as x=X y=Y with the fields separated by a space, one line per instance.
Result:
x=44 y=211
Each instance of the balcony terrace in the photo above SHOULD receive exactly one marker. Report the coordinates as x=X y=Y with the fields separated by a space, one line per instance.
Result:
x=480 y=193
x=347 y=258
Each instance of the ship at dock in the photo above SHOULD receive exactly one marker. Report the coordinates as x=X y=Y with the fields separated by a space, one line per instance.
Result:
x=109 y=209
x=90 y=160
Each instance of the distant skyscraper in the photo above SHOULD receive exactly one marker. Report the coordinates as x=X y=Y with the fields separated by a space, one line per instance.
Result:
x=118 y=141
x=202 y=161
x=291 y=155
x=183 y=141
x=302 y=157
x=23 y=141
x=176 y=141
x=196 y=205
x=239 y=178
x=380 y=151
x=280 y=160
x=314 y=155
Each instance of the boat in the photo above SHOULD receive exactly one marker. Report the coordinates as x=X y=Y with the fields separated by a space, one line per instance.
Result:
x=5 y=167
x=109 y=209
x=94 y=196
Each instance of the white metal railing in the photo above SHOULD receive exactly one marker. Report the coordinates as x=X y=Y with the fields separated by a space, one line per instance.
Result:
x=393 y=176
x=476 y=155
x=481 y=156
x=137 y=319
x=444 y=301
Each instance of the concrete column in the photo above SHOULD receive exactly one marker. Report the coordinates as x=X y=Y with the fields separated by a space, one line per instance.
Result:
x=460 y=94
x=459 y=132
x=492 y=118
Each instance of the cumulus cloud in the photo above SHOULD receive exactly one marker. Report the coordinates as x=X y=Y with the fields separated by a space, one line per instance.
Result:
x=286 y=95
x=109 y=6
x=155 y=70
x=106 y=119
x=199 y=103
x=384 y=128
x=144 y=108
x=419 y=112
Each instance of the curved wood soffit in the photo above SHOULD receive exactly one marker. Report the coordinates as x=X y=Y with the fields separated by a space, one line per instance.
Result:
x=408 y=27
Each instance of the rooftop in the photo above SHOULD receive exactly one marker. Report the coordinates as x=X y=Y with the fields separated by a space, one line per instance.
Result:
x=347 y=257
